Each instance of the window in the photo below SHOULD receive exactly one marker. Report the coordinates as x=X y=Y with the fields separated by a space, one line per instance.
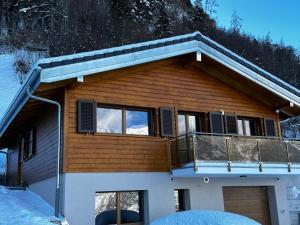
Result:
x=137 y=122
x=188 y=123
x=119 y=208
x=109 y=120
x=247 y=127
x=28 y=144
x=124 y=121
x=182 y=201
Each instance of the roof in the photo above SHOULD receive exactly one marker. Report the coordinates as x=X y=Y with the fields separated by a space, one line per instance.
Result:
x=84 y=64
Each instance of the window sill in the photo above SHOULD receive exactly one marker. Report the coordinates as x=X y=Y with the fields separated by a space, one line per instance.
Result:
x=26 y=160
x=127 y=135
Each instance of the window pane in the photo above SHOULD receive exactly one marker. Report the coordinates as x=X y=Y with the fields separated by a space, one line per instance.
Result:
x=240 y=127
x=247 y=128
x=109 y=120
x=192 y=124
x=137 y=122
x=131 y=211
x=105 y=206
x=181 y=125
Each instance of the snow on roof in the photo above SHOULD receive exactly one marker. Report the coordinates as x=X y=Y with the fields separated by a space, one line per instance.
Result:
x=204 y=217
x=9 y=82
x=23 y=207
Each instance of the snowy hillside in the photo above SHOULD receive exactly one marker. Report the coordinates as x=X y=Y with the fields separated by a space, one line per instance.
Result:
x=19 y=207
x=9 y=82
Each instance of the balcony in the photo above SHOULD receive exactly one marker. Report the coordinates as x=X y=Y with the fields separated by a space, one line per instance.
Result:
x=203 y=154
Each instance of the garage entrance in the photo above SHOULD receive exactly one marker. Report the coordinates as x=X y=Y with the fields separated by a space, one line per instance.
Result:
x=252 y=202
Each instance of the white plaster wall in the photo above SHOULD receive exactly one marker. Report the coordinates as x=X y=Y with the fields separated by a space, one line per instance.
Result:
x=46 y=189
x=80 y=188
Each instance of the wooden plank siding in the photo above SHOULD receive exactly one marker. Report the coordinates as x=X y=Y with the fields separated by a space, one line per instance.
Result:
x=43 y=164
x=168 y=83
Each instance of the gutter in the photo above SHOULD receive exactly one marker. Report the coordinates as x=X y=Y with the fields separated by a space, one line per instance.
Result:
x=57 y=190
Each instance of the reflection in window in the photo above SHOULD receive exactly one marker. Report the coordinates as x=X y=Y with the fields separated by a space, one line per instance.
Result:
x=109 y=120
x=188 y=124
x=182 y=202
x=137 y=122
x=240 y=127
x=247 y=127
x=106 y=207
x=119 y=208
x=181 y=125
x=192 y=124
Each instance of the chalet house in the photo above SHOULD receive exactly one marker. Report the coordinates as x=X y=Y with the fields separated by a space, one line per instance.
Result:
x=129 y=134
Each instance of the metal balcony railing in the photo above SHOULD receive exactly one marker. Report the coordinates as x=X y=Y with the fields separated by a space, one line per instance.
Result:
x=205 y=147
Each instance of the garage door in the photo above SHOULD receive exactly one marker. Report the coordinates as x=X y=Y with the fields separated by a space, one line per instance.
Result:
x=248 y=201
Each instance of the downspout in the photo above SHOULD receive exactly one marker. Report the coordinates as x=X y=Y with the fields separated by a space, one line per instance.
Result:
x=57 y=191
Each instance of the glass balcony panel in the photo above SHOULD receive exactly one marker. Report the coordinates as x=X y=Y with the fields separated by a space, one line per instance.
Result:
x=272 y=151
x=243 y=149
x=210 y=148
x=294 y=151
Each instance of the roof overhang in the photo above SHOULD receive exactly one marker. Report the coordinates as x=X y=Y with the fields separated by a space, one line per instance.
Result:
x=85 y=64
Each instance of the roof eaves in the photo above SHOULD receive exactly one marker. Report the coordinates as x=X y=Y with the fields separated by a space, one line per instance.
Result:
x=116 y=62
x=20 y=99
x=245 y=71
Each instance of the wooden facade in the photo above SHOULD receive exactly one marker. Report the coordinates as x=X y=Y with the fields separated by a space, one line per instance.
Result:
x=174 y=83
x=177 y=83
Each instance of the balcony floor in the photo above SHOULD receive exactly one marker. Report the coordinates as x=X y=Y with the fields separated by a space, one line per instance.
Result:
x=220 y=169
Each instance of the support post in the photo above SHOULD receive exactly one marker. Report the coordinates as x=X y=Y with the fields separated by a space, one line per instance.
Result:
x=259 y=157
x=228 y=155
x=288 y=156
x=194 y=153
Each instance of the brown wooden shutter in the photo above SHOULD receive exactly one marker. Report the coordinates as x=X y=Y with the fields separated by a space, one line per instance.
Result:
x=167 y=122
x=270 y=128
x=231 y=124
x=86 y=116
x=216 y=123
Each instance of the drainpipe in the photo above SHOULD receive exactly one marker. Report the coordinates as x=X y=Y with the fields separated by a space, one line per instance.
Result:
x=57 y=191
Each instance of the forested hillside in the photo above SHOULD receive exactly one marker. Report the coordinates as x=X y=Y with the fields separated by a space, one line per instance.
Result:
x=64 y=26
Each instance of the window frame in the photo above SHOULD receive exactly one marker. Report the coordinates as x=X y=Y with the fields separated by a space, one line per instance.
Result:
x=183 y=200
x=29 y=144
x=124 y=109
x=256 y=124
x=186 y=115
x=118 y=209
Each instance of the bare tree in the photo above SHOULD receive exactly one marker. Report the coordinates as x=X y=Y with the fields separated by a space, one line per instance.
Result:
x=236 y=22
x=210 y=7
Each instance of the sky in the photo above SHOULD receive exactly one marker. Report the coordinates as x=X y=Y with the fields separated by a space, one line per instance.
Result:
x=281 y=18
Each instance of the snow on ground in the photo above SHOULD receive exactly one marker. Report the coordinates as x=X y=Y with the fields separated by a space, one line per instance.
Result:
x=204 y=217
x=19 y=207
x=9 y=82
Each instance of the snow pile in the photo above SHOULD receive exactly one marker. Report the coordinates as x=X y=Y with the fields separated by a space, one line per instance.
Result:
x=9 y=82
x=19 y=207
x=204 y=217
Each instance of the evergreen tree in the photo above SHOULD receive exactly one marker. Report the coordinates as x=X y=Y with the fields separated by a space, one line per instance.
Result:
x=163 y=25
